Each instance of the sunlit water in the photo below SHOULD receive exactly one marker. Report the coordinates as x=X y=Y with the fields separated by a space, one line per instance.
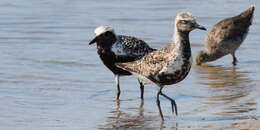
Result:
x=51 y=77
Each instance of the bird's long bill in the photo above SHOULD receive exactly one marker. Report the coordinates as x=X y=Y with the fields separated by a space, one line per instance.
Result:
x=93 y=41
x=200 y=27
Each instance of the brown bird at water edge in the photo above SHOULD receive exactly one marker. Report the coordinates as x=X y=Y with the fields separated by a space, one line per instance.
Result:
x=226 y=37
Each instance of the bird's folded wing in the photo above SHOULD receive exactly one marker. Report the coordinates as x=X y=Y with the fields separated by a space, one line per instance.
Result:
x=149 y=65
x=131 y=47
x=223 y=32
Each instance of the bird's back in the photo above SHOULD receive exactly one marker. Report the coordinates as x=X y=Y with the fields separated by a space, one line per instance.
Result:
x=130 y=48
x=228 y=34
x=125 y=49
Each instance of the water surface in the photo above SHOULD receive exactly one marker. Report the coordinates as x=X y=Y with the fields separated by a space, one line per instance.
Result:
x=51 y=78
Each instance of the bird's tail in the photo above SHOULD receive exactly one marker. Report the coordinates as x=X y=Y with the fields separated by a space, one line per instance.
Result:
x=249 y=13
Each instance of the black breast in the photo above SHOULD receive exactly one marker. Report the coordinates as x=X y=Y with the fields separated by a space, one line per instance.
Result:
x=109 y=59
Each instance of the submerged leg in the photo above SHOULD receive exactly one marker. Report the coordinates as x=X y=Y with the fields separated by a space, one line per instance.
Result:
x=158 y=103
x=118 y=87
x=142 y=89
x=174 y=105
x=234 y=58
x=141 y=109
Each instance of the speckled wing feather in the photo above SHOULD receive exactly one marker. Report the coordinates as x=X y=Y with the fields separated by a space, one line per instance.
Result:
x=130 y=48
x=229 y=31
x=150 y=64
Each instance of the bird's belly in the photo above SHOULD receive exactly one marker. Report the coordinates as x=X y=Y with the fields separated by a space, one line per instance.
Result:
x=225 y=48
x=229 y=46
x=172 y=78
x=143 y=79
x=174 y=73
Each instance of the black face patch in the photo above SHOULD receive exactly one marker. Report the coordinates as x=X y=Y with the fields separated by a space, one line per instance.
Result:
x=106 y=40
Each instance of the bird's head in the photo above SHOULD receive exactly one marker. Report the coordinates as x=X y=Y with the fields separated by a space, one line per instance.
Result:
x=185 y=22
x=201 y=57
x=104 y=34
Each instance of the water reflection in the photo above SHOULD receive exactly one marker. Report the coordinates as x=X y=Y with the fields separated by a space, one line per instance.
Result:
x=228 y=88
x=123 y=120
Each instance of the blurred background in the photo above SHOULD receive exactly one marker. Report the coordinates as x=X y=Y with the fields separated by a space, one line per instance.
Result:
x=51 y=78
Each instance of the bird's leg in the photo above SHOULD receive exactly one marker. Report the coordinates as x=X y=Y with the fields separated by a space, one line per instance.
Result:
x=158 y=103
x=142 y=89
x=234 y=58
x=141 y=109
x=118 y=112
x=174 y=105
x=118 y=86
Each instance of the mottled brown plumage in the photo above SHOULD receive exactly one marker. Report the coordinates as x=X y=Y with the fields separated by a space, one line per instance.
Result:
x=152 y=64
x=226 y=37
x=168 y=65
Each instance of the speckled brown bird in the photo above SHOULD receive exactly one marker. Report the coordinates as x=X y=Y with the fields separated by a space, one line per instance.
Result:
x=226 y=37
x=168 y=65
x=114 y=48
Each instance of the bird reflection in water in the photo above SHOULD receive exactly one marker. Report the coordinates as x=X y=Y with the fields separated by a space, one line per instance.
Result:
x=123 y=120
x=228 y=88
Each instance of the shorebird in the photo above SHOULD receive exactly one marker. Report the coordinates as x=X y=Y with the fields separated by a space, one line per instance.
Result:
x=168 y=65
x=226 y=37
x=114 y=48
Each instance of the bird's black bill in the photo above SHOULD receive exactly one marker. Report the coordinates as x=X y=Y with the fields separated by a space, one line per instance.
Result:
x=93 y=41
x=200 y=27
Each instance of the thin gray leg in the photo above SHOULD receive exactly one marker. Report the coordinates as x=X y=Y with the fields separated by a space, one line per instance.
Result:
x=118 y=86
x=159 y=104
x=142 y=89
x=141 y=109
x=174 y=105
x=234 y=58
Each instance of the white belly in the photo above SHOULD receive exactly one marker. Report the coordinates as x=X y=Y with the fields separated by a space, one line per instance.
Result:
x=143 y=79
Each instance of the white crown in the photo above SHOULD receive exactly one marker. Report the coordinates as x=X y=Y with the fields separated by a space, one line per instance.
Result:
x=185 y=16
x=102 y=29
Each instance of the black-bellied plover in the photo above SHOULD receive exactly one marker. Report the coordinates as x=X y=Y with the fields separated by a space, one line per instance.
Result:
x=168 y=65
x=226 y=37
x=114 y=48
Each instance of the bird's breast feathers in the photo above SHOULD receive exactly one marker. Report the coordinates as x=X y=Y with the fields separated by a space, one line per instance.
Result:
x=176 y=64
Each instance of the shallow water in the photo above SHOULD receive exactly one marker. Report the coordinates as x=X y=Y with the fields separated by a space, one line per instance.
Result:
x=51 y=78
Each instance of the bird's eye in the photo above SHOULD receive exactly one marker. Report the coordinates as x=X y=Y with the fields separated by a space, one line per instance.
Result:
x=184 y=21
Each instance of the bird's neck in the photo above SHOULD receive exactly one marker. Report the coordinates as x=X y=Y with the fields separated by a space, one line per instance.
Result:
x=181 y=43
